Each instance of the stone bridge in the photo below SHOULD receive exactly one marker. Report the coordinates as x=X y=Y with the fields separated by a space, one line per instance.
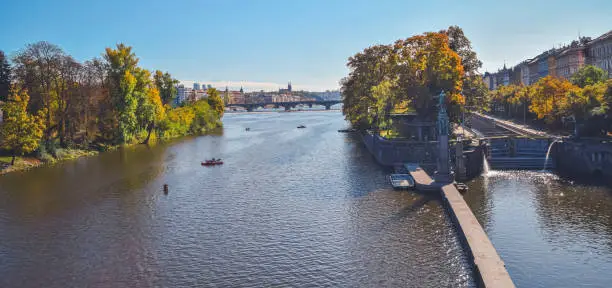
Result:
x=287 y=105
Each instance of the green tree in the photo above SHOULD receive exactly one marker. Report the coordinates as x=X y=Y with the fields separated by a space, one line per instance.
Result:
x=474 y=89
x=428 y=67
x=37 y=69
x=166 y=86
x=205 y=118
x=5 y=77
x=20 y=131
x=150 y=111
x=458 y=42
x=367 y=69
x=122 y=83
x=589 y=75
x=215 y=101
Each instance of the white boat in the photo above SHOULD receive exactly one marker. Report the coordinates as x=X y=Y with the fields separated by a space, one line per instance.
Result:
x=401 y=181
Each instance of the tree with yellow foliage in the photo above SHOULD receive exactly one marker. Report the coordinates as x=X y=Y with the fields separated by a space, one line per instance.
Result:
x=20 y=131
x=414 y=71
x=548 y=97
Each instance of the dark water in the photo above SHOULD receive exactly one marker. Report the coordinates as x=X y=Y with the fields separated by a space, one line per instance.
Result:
x=290 y=208
x=549 y=231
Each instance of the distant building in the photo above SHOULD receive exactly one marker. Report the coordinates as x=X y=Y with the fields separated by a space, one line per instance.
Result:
x=599 y=52
x=235 y=97
x=569 y=60
x=542 y=67
x=533 y=70
x=488 y=80
x=182 y=94
x=200 y=94
x=329 y=95
x=524 y=73
x=196 y=86
x=288 y=90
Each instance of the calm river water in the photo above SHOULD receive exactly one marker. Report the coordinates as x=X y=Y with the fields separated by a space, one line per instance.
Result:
x=549 y=231
x=289 y=208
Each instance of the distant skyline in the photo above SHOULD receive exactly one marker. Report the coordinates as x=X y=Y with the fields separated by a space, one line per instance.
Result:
x=249 y=86
x=264 y=44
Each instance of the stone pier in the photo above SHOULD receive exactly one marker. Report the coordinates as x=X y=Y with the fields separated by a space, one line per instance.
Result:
x=489 y=269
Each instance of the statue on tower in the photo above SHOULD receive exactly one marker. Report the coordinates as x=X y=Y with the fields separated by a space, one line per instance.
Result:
x=442 y=116
x=444 y=173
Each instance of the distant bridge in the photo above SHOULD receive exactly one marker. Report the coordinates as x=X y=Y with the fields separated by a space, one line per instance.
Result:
x=287 y=105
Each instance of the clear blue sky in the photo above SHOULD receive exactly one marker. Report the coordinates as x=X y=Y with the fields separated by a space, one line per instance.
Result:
x=263 y=44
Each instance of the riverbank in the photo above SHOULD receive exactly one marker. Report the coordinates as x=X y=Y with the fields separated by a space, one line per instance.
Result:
x=27 y=162
x=24 y=163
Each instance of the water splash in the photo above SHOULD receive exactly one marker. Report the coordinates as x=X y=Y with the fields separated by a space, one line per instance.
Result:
x=548 y=154
x=485 y=166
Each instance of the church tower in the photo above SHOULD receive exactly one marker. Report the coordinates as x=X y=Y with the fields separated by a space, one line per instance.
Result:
x=289 y=86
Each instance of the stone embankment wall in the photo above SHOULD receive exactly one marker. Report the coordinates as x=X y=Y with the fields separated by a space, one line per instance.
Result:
x=397 y=152
x=584 y=158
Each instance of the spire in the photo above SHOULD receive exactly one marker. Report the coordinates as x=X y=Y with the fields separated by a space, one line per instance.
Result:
x=241 y=90
x=289 y=86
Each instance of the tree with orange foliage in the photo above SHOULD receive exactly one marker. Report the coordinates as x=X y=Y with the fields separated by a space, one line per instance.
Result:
x=549 y=96
x=414 y=71
x=428 y=66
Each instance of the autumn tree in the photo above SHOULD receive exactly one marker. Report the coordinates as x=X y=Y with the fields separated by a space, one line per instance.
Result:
x=426 y=67
x=458 y=42
x=20 y=131
x=122 y=64
x=548 y=96
x=589 y=75
x=473 y=89
x=215 y=101
x=5 y=77
x=410 y=72
x=37 y=70
x=166 y=86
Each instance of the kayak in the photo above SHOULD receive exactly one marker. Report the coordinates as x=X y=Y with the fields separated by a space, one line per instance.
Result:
x=211 y=163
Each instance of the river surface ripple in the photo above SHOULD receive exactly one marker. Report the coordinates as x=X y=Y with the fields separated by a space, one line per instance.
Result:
x=290 y=207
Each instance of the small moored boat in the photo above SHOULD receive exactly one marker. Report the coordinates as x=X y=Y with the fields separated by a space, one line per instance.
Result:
x=461 y=187
x=301 y=126
x=347 y=130
x=401 y=181
x=212 y=162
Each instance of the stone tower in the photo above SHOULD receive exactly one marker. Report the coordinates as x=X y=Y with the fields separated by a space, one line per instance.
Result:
x=444 y=173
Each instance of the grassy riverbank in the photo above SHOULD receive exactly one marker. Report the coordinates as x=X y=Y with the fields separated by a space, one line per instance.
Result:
x=28 y=162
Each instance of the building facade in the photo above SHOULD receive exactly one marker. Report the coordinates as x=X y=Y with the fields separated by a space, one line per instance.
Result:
x=524 y=73
x=551 y=68
x=542 y=67
x=182 y=94
x=599 y=52
x=533 y=71
x=569 y=60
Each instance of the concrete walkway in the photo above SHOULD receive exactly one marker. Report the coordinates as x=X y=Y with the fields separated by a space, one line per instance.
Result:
x=517 y=128
x=490 y=270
